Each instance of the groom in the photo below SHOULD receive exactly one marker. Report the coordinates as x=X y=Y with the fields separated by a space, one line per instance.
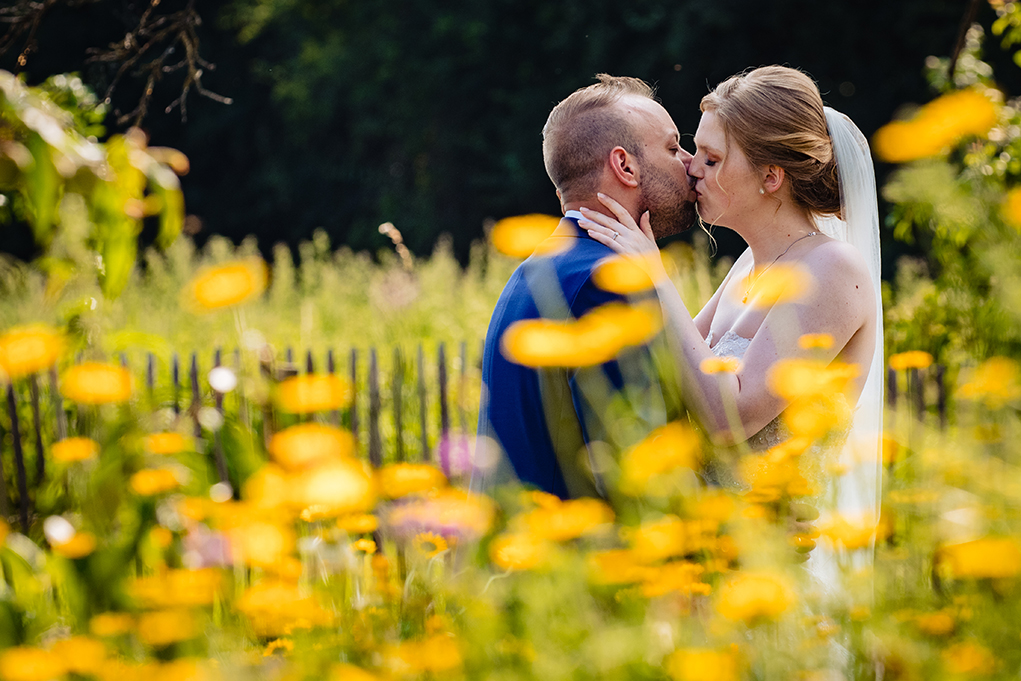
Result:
x=612 y=138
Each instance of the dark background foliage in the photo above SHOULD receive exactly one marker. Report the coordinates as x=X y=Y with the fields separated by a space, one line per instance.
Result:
x=427 y=113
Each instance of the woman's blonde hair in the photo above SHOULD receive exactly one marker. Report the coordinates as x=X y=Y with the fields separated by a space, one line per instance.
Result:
x=775 y=115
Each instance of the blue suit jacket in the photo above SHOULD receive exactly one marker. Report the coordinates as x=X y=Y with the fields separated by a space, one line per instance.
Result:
x=545 y=420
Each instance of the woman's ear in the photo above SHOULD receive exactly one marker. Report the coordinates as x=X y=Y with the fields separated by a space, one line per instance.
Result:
x=775 y=176
x=623 y=167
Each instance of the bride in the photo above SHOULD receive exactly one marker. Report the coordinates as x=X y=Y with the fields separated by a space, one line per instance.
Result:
x=795 y=180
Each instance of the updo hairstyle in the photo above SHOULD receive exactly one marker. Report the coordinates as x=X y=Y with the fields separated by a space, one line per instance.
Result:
x=775 y=115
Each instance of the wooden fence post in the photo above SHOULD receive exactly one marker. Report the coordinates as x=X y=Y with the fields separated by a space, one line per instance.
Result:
x=396 y=386
x=423 y=405
x=444 y=445
x=331 y=369
x=375 y=441
x=354 y=393
x=175 y=377
x=891 y=387
x=219 y=457
x=196 y=398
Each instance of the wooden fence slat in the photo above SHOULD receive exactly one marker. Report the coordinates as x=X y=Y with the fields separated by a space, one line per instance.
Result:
x=375 y=441
x=354 y=393
x=396 y=386
x=150 y=376
x=309 y=363
x=891 y=387
x=331 y=368
x=19 y=459
x=917 y=388
x=175 y=378
x=221 y=460
x=423 y=405
x=196 y=398
x=444 y=411
x=40 y=458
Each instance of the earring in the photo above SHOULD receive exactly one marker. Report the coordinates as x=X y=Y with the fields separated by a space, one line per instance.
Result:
x=761 y=190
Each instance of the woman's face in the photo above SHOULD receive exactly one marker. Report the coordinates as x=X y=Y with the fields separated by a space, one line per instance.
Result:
x=726 y=183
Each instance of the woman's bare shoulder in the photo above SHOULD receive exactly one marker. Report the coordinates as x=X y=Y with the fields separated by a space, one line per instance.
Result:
x=832 y=259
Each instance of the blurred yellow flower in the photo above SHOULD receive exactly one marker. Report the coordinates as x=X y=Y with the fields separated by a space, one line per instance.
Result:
x=168 y=443
x=792 y=379
x=347 y=672
x=276 y=608
x=702 y=664
x=364 y=545
x=913 y=359
x=665 y=450
x=401 y=479
x=519 y=236
x=178 y=587
x=225 y=285
x=81 y=655
x=519 y=551
x=28 y=349
x=996 y=381
x=656 y=540
x=24 y=663
x=358 y=523
x=810 y=419
x=940 y=623
x=891 y=448
x=313 y=392
x=270 y=487
x=79 y=545
x=438 y=654
x=779 y=284
x=623 y=274
x=569 y=520
x=715 y=506
x=152 y=481
x=771 y=478
x=111 y=624
x=815 y=341
x=986 y=558
x=752 y=597
x=617 y=566
x=969 y=659
x=336 y=488
x=163 y=627
x=936 y=126
x=852 y=532
x=676 y=577
x=96 y=383
x=285 y=645
x=1011 y=208
x=310 y=444
x=595 y=338
x=429 y=544
x=720 y=365
x=262 y=544
x=74 y=449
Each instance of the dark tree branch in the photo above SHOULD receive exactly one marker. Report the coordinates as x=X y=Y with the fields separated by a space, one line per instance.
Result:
x=962 y=34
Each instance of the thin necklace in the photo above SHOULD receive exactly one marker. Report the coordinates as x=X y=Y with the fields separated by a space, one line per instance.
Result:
x=751 y=284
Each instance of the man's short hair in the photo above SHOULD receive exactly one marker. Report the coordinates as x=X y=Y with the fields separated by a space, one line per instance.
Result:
x=582 y=129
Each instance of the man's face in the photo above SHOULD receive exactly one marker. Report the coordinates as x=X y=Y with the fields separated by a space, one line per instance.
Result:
x=663 y=172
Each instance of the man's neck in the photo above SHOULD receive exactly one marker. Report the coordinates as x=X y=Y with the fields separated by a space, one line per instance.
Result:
x=591 y=204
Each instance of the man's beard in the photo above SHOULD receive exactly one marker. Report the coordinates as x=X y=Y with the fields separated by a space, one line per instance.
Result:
x=670 y=212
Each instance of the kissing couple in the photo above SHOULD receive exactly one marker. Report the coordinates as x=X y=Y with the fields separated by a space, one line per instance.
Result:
x=795 y=180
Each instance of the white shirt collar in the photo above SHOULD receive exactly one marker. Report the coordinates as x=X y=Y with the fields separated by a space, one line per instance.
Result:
x=576 y=214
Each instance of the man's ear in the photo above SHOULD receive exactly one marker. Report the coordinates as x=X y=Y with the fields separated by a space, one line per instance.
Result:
x=774 y=179
x=624 y=167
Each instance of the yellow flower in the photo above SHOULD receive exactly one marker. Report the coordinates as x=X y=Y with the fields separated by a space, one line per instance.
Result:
x=996 y=381
x=519 y=551
x=347 y=672
x=313 y=392
x=720 y=365
x=1011 y=209
x=81 y=655
x=310 y=444
x=812 y=418
x=152 y=481
x=168 y=443
x=779 y=284
x=225 y=285
x=987 y=558
x=938 y=623
x=28 y=349
x=438 y=654
x=284 y=645
x=365 y=546
x=163 y=627
x=702 y=664
x=715 y=506
x=913 y=359
x=74 y=449
x=336 y=488
x=752 y=597
x=358 y=523
x=772 y=477
x=595 y=338
x=623 y=275
x=261 y=544
x=277 y=608
x=401 y=479
x=677 y=577
x=969 y=659
x=519 y=236
x=852 y=532
x=111 y=624
x=569 y=520
x=665 y=450
x=820 y=341
x=430 y=544
x=79 y=545
x=184 y=588
x=940 y=124
x=96 y=383
x=617 y=566
x=660 y=539
x=24 y=663
x=792 y=379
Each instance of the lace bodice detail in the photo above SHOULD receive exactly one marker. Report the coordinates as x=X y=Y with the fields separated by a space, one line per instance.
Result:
x=733 y=345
